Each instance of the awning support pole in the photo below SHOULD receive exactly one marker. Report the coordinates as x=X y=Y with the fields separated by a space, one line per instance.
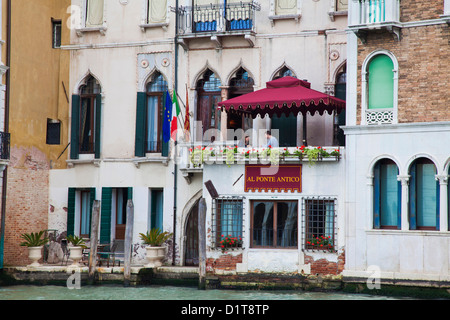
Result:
x=305 y=142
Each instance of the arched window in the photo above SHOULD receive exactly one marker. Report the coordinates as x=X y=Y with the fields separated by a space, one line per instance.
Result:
x=208 y=96
x=284 y=72
x=86 y=119
x=386 y=195
x=340 y=91
x=241 y=84
x=423 y=195
x=379 y=89
x=381 y=83
x=154 y=111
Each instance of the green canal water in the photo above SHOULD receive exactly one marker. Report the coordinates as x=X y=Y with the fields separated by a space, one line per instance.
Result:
x=117 y=292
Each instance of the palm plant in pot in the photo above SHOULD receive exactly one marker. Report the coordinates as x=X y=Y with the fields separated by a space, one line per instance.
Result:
x=155 y=238
x=76 y=248
x=34 y=241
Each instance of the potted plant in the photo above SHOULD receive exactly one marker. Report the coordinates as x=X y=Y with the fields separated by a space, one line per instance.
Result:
x=76 y=249
x=155 y=250
x=35 y=242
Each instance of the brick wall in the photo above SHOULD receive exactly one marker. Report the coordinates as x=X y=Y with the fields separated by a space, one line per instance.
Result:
x=424 y=71
x=414 y=10
x=226 y=262
x=27 y=201
x=325 y=267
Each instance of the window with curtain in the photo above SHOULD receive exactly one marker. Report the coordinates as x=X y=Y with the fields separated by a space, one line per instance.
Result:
x=387 y=196
x=274 y=224
x=85 y=214
x=285 y=7
x=381 y=83
x=154 y=111
x=156 y=208
x=423 y=195
x=227 y=219
x=94 y=13
x=320 y=224
x=89 y=97
x=209 y=95
x=157 y=11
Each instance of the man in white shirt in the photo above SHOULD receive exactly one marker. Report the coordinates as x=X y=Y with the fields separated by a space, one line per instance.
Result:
x=271 y=140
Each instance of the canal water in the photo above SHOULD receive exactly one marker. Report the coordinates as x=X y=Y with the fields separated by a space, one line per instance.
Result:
x=117 y=292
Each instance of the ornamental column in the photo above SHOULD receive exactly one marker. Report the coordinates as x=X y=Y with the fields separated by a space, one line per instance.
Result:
x=443 y=204
x=405 y=201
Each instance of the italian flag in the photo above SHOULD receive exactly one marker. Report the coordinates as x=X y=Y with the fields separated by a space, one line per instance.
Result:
x=175 y=114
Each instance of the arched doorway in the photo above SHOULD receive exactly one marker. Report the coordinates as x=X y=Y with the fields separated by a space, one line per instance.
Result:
x=208 y=96
x=240 y=84
x=191 y=238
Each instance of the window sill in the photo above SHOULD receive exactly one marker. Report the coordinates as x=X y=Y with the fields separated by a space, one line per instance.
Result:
x=408 y=232
x=72 y=162
x=145 y=26
x=295 y=17
x=156 y=158
x=80 y=31
x=334 y=14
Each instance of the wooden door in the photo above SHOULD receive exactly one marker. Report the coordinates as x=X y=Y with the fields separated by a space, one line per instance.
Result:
x=191 y=234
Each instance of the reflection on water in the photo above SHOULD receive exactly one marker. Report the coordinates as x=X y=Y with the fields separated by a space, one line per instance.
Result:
x=117 y=292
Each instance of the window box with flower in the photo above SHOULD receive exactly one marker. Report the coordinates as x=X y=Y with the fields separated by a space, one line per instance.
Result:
x=230 y=243
x=322 y=242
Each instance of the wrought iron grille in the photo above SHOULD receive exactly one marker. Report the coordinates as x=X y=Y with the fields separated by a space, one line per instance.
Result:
x=319 y=230
x=5 y=139
x=227 y=220
x=216 y=18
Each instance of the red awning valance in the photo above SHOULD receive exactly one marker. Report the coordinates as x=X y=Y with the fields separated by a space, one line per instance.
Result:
x=284 y=95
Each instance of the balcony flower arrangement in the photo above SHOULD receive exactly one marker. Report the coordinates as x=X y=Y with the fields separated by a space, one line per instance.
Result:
x=230 y=154
x=320 y=243
x=200 y=154
x=230 y=242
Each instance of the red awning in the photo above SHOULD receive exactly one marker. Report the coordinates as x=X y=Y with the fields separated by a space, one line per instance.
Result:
x=284 y=95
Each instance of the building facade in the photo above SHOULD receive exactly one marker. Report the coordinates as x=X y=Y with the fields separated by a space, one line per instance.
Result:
x=129 y=57
x=36 y=114
x=397 y=127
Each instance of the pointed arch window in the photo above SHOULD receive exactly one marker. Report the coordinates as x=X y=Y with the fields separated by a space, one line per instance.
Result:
x=86 y=119
x=284 y=72
x=154 y=111
x=208 y=96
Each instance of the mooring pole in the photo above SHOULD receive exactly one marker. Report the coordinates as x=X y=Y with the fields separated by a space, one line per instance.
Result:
x=128 y=243
x=94 y=239
x=202 y=244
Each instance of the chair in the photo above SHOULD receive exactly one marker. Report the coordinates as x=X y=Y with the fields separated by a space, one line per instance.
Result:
x=108 y=255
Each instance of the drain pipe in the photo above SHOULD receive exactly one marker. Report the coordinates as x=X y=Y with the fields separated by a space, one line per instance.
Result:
x=175 y=167
x=6 y=129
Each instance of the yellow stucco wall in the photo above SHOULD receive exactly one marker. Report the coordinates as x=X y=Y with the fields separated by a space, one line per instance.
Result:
x=38 y=76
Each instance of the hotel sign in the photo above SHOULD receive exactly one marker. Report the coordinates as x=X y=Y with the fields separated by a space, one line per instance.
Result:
x=279 y=178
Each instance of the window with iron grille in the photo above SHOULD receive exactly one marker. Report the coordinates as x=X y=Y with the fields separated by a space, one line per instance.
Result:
x=227 y=221
x=319 y=219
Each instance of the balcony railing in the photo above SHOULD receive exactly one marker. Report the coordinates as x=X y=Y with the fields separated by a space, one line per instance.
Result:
x=194 y=157
x=366 y=12
x=4 y=145
x=374 y=14
x=214 y=18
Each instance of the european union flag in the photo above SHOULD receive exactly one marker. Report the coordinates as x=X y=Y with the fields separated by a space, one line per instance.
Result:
x=167 y=118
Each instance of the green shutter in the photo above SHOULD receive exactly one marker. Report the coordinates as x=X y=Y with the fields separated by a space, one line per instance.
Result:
x=130 y=193
x=139 y=148
x=71 y=212
x=105 y=220
x=75 y=127
x=98 y=123
x=381 y=82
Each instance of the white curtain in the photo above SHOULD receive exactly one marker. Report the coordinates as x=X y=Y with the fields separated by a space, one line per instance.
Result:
x=286 y=7
x=288 y=238
x=157 y=11
x=94 y=13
